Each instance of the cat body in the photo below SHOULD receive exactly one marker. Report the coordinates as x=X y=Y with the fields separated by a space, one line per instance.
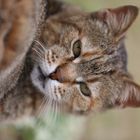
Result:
x=74 y=58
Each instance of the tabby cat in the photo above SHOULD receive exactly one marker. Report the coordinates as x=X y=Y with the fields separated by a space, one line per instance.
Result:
x=73 y=58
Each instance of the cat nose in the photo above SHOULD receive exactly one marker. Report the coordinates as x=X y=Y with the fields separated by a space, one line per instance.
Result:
x=64 y=73
x=56 y=75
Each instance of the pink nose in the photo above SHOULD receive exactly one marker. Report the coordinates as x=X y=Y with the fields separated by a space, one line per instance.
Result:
x=64 y=73
x=56 y=75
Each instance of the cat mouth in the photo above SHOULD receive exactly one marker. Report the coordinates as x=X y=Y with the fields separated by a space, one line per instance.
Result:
x=42 y=76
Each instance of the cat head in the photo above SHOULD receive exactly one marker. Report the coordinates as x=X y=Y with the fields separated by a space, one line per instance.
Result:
x=74 y=51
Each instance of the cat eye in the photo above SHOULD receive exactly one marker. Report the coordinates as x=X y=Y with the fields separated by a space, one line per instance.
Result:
x=77 y=48
x=84 y=89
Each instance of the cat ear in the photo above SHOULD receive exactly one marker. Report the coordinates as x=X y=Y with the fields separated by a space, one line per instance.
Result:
x=118 y=19
x=130 y=96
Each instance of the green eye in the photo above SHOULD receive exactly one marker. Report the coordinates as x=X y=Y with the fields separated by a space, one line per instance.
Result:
x=85 y=90
x=77 y=48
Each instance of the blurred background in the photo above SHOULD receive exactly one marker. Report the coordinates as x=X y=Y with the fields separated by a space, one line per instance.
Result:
x=111 y=125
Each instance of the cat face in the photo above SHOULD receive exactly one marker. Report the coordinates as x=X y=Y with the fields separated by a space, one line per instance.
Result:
x=73 y=53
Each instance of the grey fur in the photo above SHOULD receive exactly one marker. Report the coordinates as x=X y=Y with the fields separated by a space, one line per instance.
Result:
x=19 y=95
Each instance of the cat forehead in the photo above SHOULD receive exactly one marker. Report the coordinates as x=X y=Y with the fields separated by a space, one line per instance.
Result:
x=64 y=30
x=79 y=23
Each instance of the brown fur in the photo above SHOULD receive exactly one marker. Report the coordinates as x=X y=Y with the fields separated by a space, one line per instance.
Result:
x=48 y=69
x=15 y=14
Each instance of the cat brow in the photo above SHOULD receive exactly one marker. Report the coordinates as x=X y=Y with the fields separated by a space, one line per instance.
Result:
x=73 y=25
x=91 y=53
x=93 y=80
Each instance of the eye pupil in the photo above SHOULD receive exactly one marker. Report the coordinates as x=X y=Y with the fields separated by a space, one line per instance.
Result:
x=77 y=48
x=85 y=90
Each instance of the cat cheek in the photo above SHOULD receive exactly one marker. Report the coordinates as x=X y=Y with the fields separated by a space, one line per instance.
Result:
x=81 y=105
x=96 y=104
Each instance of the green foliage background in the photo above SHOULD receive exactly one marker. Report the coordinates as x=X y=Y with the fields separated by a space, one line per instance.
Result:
x=112 y=125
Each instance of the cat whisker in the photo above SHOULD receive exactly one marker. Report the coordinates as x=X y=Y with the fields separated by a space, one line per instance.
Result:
x=52 y=113
x=58 y=110
x=49 y=112
x=39 y=43
x=40 y=107
x=39 y=49
x=40 y=112
x=36 y=57
x=48 y=106
x=55 y=117
x=42 y=59
x=52 y=108
x=38 y=53
x=35 y=60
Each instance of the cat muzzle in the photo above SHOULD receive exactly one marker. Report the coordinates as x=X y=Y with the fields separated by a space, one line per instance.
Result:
x=64 y=73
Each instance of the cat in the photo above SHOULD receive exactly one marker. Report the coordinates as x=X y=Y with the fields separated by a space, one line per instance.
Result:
x=74 y=58
x=85 y=56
